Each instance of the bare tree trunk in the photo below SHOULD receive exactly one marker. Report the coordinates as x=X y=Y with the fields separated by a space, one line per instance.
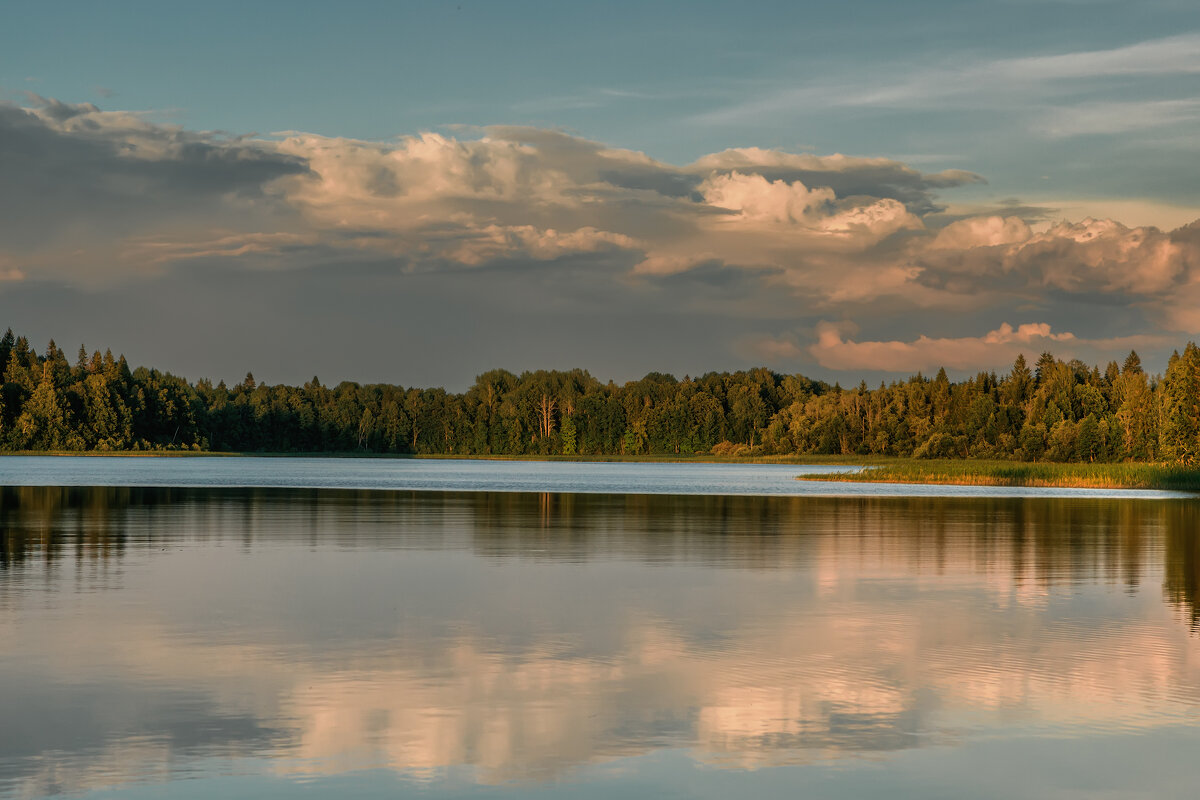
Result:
x=546 y=415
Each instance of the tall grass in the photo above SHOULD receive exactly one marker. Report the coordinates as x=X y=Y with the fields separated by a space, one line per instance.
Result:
x=1009 y=473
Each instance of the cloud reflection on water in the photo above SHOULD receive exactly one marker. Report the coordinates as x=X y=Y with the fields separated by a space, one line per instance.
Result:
x=152 y=632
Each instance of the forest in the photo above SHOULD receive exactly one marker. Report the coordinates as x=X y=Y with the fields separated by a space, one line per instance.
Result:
x=1054 y=410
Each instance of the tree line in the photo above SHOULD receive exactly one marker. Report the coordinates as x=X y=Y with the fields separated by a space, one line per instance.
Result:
x=1055 y=410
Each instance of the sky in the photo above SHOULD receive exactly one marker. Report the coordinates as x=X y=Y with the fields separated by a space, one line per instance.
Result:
x=419 y=192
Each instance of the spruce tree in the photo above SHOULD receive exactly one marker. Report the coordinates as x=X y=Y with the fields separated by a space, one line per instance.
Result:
x=1179 y=437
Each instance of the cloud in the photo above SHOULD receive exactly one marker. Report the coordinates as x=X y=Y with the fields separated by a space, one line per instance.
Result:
x=224 y=246
x=832 y=350
x=534 y=193
x=1003 y=258
x=1172 y=55
x=987 y=231
x=846 y=176
x=1053 y=93
x=771 y=349
x=74 y=177
x=495 y=242
x=1106 y=256
x=134 y=194
x=747 y=234
x=993 y=349
x=755 y=200
x=9 y=272
x=1106 y=118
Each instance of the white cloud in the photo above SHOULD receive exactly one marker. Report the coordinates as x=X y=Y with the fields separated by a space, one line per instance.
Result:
x=873 y=221
x=758 y=201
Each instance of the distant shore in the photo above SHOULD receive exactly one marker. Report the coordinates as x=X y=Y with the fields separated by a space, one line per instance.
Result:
x=967 y=472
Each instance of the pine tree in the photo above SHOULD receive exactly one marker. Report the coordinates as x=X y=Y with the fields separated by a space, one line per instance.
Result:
x=1045 y=364
x=1020 y=381
x=1133 y=364
x=7 y=343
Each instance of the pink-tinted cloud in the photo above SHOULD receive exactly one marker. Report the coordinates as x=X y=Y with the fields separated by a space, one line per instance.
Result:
x=810 y=236
x=987 y=231
x=835 y=350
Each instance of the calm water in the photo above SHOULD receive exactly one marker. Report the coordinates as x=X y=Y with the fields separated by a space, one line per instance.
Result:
x=480 y=476
x=284 y=642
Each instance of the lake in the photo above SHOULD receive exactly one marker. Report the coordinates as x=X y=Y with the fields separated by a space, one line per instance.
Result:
x=202 y=627
x=484 y=476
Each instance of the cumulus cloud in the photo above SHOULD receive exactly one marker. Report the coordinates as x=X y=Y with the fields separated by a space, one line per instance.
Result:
x=1105 y=255
x=981 y=232
x=755 y=200
x=95 y=194
x=518 y=178
x=846 y=176
x=134 y=193
x=1003 y=258
x=780 y=206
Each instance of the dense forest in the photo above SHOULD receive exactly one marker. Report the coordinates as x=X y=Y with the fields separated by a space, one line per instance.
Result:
x=1055 y=410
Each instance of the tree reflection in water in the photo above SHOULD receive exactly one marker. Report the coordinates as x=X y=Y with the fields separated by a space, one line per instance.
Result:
x=1047 y=541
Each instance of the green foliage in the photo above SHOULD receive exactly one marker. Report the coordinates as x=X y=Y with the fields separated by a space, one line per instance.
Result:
x=569 y=437
x=1059 y=411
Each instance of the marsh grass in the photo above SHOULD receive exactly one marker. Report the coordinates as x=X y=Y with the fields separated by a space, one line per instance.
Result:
x=1012 y=473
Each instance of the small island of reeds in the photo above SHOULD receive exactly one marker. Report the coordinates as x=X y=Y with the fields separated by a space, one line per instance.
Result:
x=963 y=472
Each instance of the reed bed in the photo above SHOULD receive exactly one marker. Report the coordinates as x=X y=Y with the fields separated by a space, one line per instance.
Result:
x=1010 y=473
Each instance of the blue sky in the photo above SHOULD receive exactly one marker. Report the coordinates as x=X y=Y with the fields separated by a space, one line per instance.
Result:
x=1060 y=111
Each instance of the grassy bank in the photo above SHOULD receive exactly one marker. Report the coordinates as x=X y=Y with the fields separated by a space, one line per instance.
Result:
x=1009 y=473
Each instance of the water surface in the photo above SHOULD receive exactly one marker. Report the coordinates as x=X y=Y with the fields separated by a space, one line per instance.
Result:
x=273 y=642
x=474 y=475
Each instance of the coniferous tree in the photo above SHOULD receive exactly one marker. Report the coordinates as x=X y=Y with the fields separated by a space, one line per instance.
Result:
x=1179 y=437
